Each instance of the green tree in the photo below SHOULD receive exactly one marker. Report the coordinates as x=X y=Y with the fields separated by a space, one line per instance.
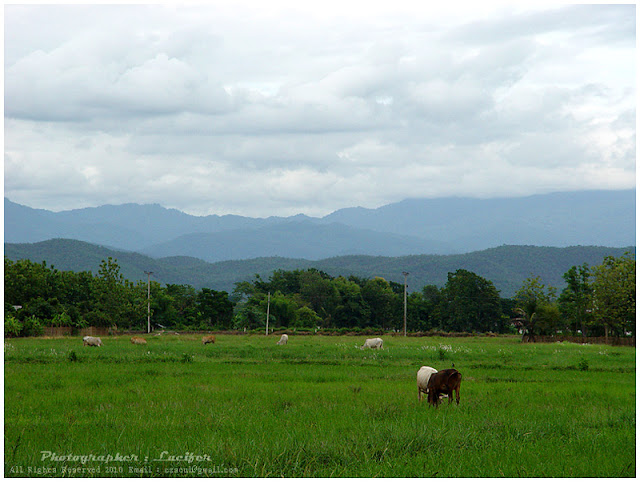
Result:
x=184 y=304
x=419 y=313
x=470 y=303
x=110 y=294
x=532 y=301
x=319 y=292
x=214 y=308
x=575 y=301
x=282 y=311
x=351 y=310
x=307 y=318
x=614 y=294
x=379 y=297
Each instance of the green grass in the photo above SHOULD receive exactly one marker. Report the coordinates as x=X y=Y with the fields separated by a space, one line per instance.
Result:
x=319 y=407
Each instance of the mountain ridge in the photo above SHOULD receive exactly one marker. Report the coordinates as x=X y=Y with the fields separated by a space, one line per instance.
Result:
x=506 y=266
x=424 y=226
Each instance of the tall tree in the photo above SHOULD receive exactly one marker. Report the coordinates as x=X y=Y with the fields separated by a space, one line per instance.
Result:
x=317 y=289
x=351 y=309
x=470 y=303
x=110 y=294
x=614 y=294
x=214 y=308
x=379 y=296
x=532 y=305
x=576 y=299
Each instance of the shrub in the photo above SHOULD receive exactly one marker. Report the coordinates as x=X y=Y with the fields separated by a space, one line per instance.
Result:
x=80 y=323
x=12 y=327
x=61 y=319
x=583 y=365
x=72 y=357
x=32 y=327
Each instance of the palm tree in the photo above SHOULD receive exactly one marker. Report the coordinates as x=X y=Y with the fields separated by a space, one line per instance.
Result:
x=527 y=320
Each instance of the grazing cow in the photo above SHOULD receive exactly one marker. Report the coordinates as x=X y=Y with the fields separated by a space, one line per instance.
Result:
x=424 y=374
x=444 y=382
x=208 y=339
x=136 y=340
x=283 y=340
x=91 y=341
x=372 y=343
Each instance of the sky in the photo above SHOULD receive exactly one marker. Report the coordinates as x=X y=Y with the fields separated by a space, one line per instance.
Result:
x=276 y=108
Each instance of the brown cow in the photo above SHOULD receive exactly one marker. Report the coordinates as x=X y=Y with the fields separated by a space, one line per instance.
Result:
x=444 y=382
x=136 y=340
x=208 y=339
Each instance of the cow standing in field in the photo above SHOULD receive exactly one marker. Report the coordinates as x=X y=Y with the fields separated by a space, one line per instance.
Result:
x=444 y=382
x=424 y=374
x=91 y=341
x=372 y=343
x=136 y=340
x=208 y=339
x=283 y=340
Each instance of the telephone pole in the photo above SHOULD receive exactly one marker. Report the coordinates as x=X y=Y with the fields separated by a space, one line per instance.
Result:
x=405 y=273
x=148 y=273
x=268 y=302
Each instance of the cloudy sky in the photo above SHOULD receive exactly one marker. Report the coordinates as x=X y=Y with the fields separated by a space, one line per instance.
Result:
x=235 y=108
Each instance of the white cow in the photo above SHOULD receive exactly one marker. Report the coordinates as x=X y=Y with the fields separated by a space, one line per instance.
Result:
x=91 y=341
x=283 y=340
x=423 y=380
x=372 y=343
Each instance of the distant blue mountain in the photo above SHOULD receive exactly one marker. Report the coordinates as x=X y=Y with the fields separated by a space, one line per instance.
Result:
x=598 y=218
x=295 y=239
x=412 y=226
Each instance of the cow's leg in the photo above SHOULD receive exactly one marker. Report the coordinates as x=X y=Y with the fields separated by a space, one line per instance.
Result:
x=458 y=395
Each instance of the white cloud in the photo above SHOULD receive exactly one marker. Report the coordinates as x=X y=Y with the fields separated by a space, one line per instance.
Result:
x=261 y=111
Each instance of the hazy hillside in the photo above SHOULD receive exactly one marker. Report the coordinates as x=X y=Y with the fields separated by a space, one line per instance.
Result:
x=506 y=266
x=304 y=239
x=602 y=218
x=413 y=226
x=126 y=226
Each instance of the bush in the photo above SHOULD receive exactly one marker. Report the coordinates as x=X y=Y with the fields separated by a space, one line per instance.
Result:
x=72 y=357
x=12 y=327
x=80 y=323
x=61 y=319
x=583 y=365
x=32 y=327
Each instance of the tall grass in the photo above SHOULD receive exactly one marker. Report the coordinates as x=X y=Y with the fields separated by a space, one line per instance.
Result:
x=321 y=407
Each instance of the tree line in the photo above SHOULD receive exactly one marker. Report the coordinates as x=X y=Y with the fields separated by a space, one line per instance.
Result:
x=596 y=300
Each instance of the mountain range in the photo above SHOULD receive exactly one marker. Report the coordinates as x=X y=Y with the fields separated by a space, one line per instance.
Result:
x=506 y=266
x=442 y=226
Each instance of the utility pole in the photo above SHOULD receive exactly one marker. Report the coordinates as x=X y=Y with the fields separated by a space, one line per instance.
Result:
x=405 y=273
x=268 y=302
x=148 y=273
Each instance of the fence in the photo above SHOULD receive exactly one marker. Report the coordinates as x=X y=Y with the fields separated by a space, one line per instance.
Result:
x=595 y=340
x=57 y=330
x=98 y=331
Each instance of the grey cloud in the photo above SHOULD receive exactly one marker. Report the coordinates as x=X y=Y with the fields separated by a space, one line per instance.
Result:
x=212 y=111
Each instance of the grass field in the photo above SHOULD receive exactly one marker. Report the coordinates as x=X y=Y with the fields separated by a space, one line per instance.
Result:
x=316 y=407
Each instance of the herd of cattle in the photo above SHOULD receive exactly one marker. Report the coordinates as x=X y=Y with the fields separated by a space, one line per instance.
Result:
x=431 y=382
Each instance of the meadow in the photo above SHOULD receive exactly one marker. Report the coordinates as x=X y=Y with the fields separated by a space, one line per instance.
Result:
x=317 y=407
